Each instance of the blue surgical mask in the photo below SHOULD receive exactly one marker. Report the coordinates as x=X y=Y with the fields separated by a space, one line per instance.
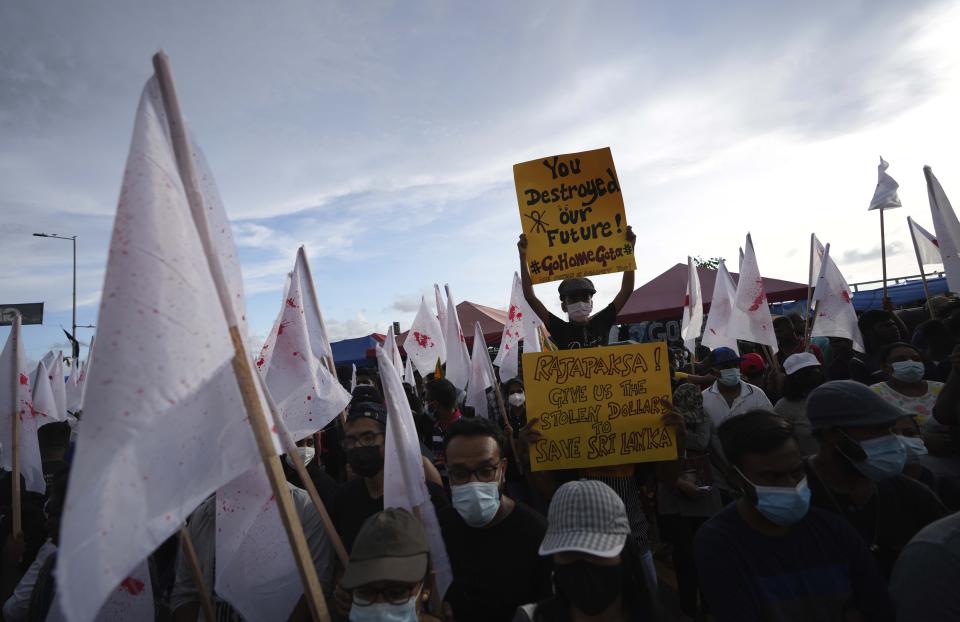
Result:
x=476 y=502
x=885 y=458
x=385 y=612
x=730 y=377
x=908 y=371
x=914 y=446
x=783 y=505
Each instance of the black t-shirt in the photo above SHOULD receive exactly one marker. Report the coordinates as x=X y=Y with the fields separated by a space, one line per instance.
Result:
x=353 y=505
x=495 y=570
x=905 y=507
x=596 y=332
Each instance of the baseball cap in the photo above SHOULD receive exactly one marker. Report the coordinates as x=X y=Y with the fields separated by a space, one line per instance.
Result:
x=796 y=362
x=849 y=404
x=586 y=517
x=752 y=363
x=573 y=286
x=369 y=410
x=721 y=356
x=390 y=546
x=366 y=393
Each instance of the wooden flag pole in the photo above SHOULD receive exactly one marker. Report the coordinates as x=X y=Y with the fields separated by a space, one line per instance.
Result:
x=242 y=367
x=17 y=517
x=206 y=604
x=806 y=309
x=923 y=276
x=290 y=446
x=883 y=258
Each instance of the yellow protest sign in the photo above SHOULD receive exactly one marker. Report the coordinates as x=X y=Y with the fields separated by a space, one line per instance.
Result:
x=571 y=210
x=599 y=406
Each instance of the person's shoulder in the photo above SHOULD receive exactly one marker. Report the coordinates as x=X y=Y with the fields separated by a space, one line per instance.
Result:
x=529 y=518
x=350 y=489
x=722 y=524
x=909 y=492
x=607 y=314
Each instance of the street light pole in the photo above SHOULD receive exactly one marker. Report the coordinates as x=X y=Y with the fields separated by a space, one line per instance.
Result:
x=73 y=325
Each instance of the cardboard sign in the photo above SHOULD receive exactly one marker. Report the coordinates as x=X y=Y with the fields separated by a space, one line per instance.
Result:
x=571 y=210
x=599 y=406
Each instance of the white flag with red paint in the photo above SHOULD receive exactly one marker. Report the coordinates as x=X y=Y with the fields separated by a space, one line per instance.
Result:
x=16 y=401
x=131 y=601
x=404 y=483
x=522 y=325
x=836 y=316
x=54 y=364
x=424 y=343
x=750 y=316
x=73 y=390
x=408 y=376
x=481 y=375
x=947 y=226
x=44 y=403
x=925 y=244
x=164 y=423
x=692 y=308
x=441 y=306
x=715 y=333
x=458 y=359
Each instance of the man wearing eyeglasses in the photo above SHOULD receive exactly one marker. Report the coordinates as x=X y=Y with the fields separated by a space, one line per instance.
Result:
x=492 y=540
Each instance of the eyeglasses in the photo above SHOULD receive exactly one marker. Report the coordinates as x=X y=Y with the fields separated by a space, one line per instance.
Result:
x=460 y=475
x=367 y=439
x=366 y=595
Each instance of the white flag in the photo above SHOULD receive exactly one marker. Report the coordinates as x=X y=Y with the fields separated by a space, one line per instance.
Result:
x=164 y=423
x=424 y=342
x=307 y=395
x=131 y=601
x=692 y=308
x=816 y=258
x=73 y=390
x=750 y=316
x=925 y=244
x=408 y=376
x=481 y=375
x=404 y=484
x=885 y=196
x=85 y=370
x=15 y=401
x=353 y=377
x=836 y=316
x=44 y=405
x=441 y=307
x=390 y=345
x=947 y=227
x=54 y=364
x=715 y=333
x=522 y=325
x=458 y=359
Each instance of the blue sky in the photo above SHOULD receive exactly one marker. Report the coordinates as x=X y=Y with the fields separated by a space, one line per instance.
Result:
x=382 y=134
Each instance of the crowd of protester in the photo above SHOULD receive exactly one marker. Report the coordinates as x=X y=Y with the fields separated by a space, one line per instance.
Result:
x=815 y=484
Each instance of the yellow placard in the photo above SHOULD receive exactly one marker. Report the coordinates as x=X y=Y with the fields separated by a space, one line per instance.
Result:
x=599 y=406
x=571 y=210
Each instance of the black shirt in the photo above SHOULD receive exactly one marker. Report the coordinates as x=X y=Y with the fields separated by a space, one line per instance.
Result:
x=497 y=569
x=353 y=505
x=905 y=507
x=596 y=332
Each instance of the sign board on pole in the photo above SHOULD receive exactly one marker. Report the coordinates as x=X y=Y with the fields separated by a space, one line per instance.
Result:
x=599 y=406
x=31 y=312
x=571 y=210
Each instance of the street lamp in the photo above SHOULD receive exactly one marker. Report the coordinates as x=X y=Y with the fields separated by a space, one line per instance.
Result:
x=72 y=238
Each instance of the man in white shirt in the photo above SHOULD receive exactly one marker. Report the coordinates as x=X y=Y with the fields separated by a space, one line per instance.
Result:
x=730 y=396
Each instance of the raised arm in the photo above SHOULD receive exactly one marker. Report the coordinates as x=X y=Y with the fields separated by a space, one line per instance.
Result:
x=626 y=287
x=532 y=299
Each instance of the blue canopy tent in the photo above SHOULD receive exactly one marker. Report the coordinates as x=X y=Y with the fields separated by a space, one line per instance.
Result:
x=900 y=295
x=354 y=351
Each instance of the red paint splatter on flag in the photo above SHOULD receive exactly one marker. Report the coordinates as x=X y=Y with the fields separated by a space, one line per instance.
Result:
x=512 y=313
x=309 y=397
x=260 y=362
x=24 y=380
x=291 y=303
x=760 y=299
x=846 y=296
x=132 y=586
x=422 y=340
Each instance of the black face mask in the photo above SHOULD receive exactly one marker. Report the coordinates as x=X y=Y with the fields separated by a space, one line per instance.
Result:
x=365 y=461
x=589 y=587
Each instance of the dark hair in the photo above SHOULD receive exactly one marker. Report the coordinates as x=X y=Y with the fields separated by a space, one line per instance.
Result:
x=56 y=434
x=871 y=318
x=754 y=432
x=474 y=426
x=799 y=325
x=443 y=392
x=635 y=591
x=416 y=404
x=794 y=389
x=344 y=375
x=890 y=347
x=781 y=319
x=513 y=382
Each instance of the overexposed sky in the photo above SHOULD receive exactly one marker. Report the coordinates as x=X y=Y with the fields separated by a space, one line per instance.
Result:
x=382 y=134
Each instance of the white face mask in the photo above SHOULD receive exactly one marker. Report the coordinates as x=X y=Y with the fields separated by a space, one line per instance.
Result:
x=579 y=311
x=915 y=447
x=385 y=612
x=729 y=377
x=516 y=399
x=307 y=455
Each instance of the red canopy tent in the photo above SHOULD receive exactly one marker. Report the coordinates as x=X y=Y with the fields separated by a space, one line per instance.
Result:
x=663 y=297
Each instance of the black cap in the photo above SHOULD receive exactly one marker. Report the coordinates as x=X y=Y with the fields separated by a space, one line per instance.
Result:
x=368 y=410
x=575 y=286
x=366 y=393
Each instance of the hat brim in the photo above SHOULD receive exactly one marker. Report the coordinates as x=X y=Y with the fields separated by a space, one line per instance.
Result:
x=794 y=370
x=601 y=545
x=401 y=569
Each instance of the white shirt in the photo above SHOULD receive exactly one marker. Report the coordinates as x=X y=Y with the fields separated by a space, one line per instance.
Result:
x=750 y=398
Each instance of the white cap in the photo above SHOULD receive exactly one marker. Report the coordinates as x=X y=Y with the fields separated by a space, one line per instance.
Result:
x=796 y=362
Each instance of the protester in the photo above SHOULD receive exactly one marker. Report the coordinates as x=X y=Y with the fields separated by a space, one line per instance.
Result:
x=54 y=440
x=925 y=579
x=596 y=571
x=583 y=330
x=754 y=370
x=947 y=487
x=842 y=357
x=686 y=497
x=857 y=472
x=362 y=496
x=790 y=333
x=389 y=576
x=729 y=396
x=769 y=555
x=879 y=328
x=326 y=486
x=803 y=374
x=442 y=411
x=491 y=538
